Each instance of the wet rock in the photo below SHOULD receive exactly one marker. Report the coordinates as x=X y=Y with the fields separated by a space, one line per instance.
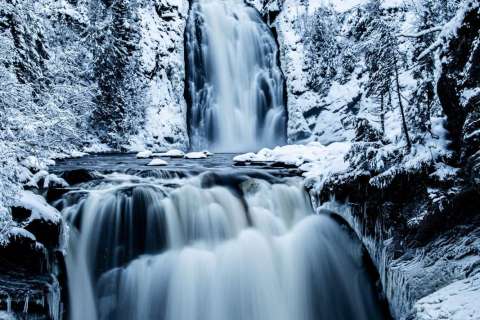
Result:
x=22 y=253
x=77 y=176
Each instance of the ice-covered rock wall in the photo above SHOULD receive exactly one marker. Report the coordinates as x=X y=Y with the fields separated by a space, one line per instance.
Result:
x=163 y=24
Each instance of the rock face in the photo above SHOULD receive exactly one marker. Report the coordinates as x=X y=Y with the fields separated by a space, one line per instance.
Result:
x=163 y=25
x=459 y=93
x=423 y=227
x=300 y=100
x=31 y=267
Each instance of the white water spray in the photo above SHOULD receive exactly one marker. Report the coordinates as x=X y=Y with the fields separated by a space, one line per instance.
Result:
x=147 y=251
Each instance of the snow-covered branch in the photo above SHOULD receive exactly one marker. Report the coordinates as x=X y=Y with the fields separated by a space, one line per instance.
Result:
x=421 y=33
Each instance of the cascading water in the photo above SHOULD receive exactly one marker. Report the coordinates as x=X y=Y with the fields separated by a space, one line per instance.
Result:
x=211 y=247
x=235 y=86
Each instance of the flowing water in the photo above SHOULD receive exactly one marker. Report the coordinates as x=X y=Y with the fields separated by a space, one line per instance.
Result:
x=199 y=239
x=235 y=86
x=224 y=244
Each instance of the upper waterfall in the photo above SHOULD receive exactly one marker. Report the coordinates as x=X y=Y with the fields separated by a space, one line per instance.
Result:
x=235 y=87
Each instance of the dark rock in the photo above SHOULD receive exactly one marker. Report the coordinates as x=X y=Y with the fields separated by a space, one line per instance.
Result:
x=20 y=214
x=73 y=177
x=54 y=194
x=169 y=140
x=46 y=232
x=458 y=74
x=23 y=255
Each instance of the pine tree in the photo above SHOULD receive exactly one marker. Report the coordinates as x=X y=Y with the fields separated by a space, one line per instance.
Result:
x=323 y=49
x=423 y=98
x=118 y=108
x=382 y=60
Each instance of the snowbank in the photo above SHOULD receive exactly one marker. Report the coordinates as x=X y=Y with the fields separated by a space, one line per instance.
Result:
x=314 y=159
x=196 y=155
x=174 y=154
x=39 y=207
x=158 y=163
x=145 y=154
x=457 y=301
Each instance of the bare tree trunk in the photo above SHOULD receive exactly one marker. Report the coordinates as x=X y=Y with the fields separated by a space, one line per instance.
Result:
x=382 y=114
x=400 y=104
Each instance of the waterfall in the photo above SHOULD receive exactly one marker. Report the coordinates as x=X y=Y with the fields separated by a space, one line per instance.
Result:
x=189 y=248
x=235 y=87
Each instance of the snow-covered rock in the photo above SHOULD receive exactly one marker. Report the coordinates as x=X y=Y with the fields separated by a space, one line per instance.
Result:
x=196 y=155
x=17 y=233
x=457 y=301
x=33 y=163
x=314 y=159
x=158 y=163
x=39 y=208
x=78 y=154
x=174 y=154
x=145 y=154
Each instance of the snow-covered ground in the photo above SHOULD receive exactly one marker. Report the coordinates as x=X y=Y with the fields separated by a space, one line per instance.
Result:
x=457 y=301
x=317 y=161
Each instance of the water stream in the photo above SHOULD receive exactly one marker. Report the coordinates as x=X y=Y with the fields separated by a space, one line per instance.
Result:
x=224 y=244
x=235 y=86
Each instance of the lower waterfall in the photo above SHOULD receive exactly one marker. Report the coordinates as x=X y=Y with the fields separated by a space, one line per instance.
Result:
x=213 y=246
x=235 y=86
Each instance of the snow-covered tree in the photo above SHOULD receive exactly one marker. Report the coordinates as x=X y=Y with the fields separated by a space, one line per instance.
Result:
x=323 y=50
x=383 y=58
x=119 y=106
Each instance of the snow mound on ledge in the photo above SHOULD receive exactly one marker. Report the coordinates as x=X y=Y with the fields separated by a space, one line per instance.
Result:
x=145 y=154
x=157 y=163
x=314 y=159
x=196 y=155
x=39 y=207
x=174 y=154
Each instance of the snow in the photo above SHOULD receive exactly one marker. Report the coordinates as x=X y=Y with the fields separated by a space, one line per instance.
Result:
x=459 y=300
x=173 y=154
x=7 y=316
x=467 y=94
x=162 y=46
x=33 y=163
x=48 y=180
x=158 y=162
x=97 y=148
x=315 y=160
x=16 y=232
x=443 y=171
x=78 y=154
x=145 y=154
x=196 y=155
x=39 y=207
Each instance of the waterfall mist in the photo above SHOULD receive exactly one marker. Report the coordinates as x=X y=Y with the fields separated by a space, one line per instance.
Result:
x=181 y=250
x=235 y=87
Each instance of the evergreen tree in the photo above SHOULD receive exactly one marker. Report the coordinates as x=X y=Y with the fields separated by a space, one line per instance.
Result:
x=323 y=49
x=119 y=106
x=424 y=97
x=382 y=61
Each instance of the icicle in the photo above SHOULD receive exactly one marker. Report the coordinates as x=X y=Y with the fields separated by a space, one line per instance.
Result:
x=25 y=306
x=53 y=300
x=9 y=304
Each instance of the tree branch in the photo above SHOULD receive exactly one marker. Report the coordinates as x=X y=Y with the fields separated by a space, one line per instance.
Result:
x=421 y=33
